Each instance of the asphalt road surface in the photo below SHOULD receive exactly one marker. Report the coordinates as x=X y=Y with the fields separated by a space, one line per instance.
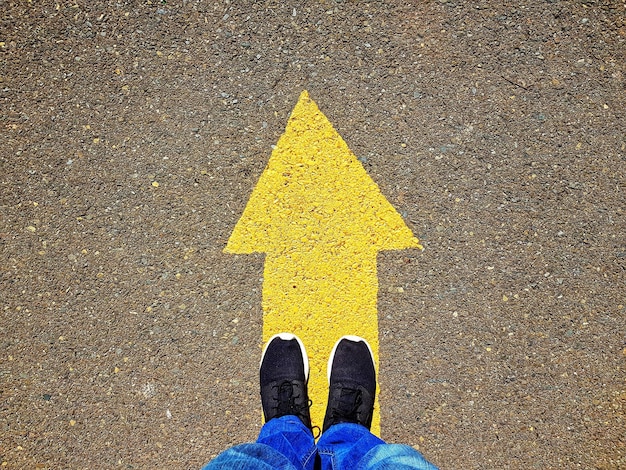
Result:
x=133 y=134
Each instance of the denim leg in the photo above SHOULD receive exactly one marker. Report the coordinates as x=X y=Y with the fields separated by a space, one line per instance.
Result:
x=394 y=457
x=289 y=436
x=250 y=457
x=284 y=443
x=350 y=446
x=343 y=445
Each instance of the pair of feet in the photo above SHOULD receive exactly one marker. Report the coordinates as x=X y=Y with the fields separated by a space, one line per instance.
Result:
x=351 y=375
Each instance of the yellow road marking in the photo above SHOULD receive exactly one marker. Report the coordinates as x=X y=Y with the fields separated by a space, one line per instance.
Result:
x=321 y=220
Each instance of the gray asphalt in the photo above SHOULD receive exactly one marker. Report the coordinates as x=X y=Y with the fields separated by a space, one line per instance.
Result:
x=134 y=132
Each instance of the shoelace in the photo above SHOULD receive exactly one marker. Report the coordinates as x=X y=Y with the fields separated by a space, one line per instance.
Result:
x=286 y=400
x=286 y=404
x=347 y=408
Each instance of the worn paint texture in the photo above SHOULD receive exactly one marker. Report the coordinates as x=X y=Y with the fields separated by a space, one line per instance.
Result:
x=321 y=220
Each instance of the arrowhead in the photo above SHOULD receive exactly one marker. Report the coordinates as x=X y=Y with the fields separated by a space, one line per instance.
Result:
x=314 y=193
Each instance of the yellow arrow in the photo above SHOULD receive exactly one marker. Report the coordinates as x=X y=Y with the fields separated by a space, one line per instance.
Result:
x=321 y=221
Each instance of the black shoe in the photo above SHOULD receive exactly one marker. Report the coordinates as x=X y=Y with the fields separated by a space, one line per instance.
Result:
x=352 y=380
x=284 y=374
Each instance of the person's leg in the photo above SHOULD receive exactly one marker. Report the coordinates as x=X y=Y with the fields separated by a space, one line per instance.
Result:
x=351 y=392
x=283 y=443
x=394 y=457
x=286 y=440
x=289 y=436
x=346 y=441
x=252 y=456
x=284 y=374
x=343 y=445
x=352 y=446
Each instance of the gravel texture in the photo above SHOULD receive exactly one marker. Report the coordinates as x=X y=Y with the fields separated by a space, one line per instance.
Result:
x=134 y=132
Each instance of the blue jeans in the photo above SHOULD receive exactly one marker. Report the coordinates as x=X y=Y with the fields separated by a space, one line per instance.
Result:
x=287 y=444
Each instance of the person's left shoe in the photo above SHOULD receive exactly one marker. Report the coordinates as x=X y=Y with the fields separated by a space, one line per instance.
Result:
x=284 y=374
x=352 y=383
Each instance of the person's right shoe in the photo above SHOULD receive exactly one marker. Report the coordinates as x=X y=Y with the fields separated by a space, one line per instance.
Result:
x=284 y=374
x=352 y=383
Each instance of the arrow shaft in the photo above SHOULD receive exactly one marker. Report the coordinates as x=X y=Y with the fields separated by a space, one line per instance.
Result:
x=321 y=299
